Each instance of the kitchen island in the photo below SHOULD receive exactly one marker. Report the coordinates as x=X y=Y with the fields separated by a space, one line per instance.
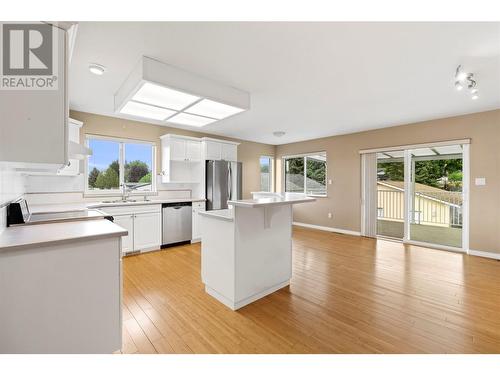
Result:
x=246 y=250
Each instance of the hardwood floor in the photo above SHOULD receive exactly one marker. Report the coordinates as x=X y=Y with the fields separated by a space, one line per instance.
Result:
x=347 y=295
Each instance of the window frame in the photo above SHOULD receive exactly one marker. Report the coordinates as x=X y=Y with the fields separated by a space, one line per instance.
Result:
x=304 y=156
x=121 y=161
x=271 y=173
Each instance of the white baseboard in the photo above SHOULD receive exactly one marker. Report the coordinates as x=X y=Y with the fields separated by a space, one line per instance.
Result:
x=327 y=229
x=484 y=254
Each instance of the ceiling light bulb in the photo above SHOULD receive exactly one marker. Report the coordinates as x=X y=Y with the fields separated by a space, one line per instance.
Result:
x=97 y=69
x=461 y=76
x=458 y=86
x=475 y=97
x=473 y=91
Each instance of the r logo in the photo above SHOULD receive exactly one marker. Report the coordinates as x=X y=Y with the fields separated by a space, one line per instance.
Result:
x=27 y=49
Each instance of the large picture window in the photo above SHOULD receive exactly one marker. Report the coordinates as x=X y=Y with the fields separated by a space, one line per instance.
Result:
x=116 y=162
x=306 y=174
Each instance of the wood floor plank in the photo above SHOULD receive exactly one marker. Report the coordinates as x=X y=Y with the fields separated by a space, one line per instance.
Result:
x=347 y=295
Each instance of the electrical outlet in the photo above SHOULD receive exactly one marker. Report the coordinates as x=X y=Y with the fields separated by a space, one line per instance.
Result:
x=329 y=215
x=329 y=182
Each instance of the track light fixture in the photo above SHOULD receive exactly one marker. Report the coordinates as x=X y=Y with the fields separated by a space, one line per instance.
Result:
x=465 y=79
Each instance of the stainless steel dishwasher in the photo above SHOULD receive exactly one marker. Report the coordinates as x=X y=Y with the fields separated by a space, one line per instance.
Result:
x=177 y=223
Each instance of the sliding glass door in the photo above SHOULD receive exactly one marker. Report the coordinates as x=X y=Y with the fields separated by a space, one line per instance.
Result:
x=419 y=194
x=436 y=195
x=390 y=194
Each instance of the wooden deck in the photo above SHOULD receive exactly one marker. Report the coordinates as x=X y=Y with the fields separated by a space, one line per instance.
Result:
x=347 y=295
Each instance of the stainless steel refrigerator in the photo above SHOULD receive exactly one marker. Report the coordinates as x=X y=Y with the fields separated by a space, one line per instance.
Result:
x=223 y=183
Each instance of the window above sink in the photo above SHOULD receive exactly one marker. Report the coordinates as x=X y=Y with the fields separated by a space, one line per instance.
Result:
x=117 y=162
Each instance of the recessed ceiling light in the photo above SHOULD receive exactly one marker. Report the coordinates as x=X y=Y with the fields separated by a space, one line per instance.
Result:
x=146 y=111
x=210 y=108
x=458 y=86
x=279 y=133
x=191 y=120
x=151 y=93
x=97 y=69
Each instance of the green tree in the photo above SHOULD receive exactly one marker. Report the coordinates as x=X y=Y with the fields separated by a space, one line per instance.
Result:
x=94 y=173
x=135 y=170
x=115 y=166
x=316 y=170
x=145 y=178
x=108 y=179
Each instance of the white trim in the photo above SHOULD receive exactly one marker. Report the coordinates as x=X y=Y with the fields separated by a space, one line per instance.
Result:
x=465 y=196
x=327 y=229
x=484 y=254
x=418 y=145
x=121 y=161
x=220 y=140
x=304 y=156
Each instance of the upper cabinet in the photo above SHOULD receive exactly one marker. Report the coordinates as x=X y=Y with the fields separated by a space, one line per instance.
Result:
x=73 y=166
x=181 y=159
x=215 y=149
x=33 y=134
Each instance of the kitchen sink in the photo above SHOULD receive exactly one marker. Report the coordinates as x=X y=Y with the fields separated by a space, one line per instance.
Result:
x=121 y=201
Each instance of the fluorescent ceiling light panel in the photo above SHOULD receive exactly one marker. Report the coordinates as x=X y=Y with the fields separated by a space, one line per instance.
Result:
x=210 y=108
x=146 y=111
x=161 y=96
x=191 y=120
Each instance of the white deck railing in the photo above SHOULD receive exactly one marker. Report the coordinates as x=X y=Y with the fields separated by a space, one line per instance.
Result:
x=429 y=208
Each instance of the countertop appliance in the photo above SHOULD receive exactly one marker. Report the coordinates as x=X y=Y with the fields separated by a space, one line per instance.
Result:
x=18 y=213
x=223 y=183
x=177 y=223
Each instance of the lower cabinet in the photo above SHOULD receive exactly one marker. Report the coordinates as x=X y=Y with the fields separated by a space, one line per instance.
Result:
x=143 y=224
x=197 y=207
x=147 y=231
x=126 y=222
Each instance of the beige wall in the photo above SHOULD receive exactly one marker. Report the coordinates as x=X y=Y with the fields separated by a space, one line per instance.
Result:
x=248 y=152
x=344 y=169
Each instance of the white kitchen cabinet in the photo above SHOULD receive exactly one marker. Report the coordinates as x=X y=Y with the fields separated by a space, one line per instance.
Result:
x=197 y=207
x=229 y=152
x=177 y=148
x=147 y=231
x=215 y=149
x=126 y=222
x=36 y=135
x=73 y=167
x=193 y=150
x=181 y=159
x=143 y=223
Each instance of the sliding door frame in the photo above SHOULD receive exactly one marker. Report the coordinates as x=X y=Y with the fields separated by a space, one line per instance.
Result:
x=408 y=201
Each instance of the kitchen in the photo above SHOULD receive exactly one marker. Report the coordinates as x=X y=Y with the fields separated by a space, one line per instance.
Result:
x=177 y=188
x=107 y=190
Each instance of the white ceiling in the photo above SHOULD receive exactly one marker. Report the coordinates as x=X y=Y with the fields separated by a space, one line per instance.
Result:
x=308 y=79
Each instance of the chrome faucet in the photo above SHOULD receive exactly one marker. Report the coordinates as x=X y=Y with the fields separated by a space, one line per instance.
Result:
x=125 y=192
x=127 y=189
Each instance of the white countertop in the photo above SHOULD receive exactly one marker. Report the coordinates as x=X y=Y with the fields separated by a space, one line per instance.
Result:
x=271 y=201
x=78 y=206
x=227 y=214
x=43 y=234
